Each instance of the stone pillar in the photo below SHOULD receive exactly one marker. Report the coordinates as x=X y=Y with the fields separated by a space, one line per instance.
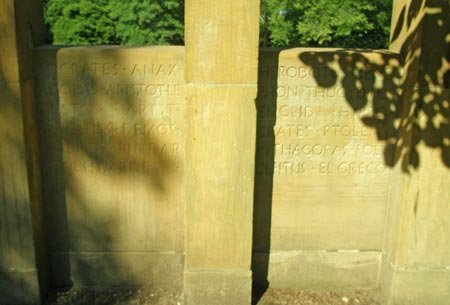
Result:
x=22 y=251
x=221 y=85
x=416 y=257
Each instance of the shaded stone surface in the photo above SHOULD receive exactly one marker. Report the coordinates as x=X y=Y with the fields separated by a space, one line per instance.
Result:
x=23 y=266
x=112 y=124
x=323 y=172
x=415 y=262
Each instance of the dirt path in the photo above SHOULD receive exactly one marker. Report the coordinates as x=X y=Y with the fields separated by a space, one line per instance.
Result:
x=288 y=297
x=174 y=297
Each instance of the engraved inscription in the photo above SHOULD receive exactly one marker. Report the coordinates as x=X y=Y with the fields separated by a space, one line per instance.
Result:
x=316 y=130
x=117 y=127
x=114 y=111
x=71 y=69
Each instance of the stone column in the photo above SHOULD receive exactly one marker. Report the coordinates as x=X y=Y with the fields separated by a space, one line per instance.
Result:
x=416 y=257
x=22 y=251
x=221 y=85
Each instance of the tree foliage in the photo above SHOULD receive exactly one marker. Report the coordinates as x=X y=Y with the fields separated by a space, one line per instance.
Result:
x=134 y=22
x=141 y=22
x=324 y=23
x=327 y=23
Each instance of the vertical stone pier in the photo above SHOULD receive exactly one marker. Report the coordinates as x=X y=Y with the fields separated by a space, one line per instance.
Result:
x=416 y=258
x=22 y=251
x=221 y=85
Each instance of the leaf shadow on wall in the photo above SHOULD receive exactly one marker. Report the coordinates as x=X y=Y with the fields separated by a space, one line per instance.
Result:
x=402 y=97
x=408 y=93
x=112 y=164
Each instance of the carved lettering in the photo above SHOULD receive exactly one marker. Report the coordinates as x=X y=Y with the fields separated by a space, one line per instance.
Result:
x=143 y=90
x=307 y=149
x=71 y=69
x=287 y=168
x=320 y=92
x=351 y=168
x=167 y=70
x=293 y=130
x=295 y=111
x=154 y=111
x=91 y=68
x=347 y=130
x=110 y=167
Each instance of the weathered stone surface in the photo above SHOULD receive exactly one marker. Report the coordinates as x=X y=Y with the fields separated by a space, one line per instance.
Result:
x=119 y=144
x=221 y=182
x=220 y=287
x=22 y=240
x=9 y=65
x=330 y=179
x=120 y=269
x=416 y=259
x=233 y=27
x=19 y=287
x=325 y=270
x=220 y=87
x=331 y=125
x=404 y=286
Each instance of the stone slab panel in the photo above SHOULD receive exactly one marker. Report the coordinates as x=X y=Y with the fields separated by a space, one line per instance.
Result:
x=112 y=128
x=329 y=164
x=225 y=287
x=221 y=153
x=321 y=270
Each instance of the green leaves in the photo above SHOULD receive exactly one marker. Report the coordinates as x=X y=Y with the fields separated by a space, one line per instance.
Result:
x=134 y=22
x=328 y=23
x=83 y=23
x=149 y=22
x=286 y=23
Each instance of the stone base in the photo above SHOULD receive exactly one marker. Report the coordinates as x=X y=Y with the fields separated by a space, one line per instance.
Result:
x=125 y=269
x=218 y=288
x=414 y=286
x=19 y=287
x=320 y=270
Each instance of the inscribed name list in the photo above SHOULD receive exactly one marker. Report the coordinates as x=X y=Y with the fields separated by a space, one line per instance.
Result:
x=330 y=180
x=122 y=120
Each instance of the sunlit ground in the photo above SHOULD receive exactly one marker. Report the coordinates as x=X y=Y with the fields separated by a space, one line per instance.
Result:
x=170 y=296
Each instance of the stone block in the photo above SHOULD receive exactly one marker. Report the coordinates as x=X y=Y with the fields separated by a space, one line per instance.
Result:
x=405 y=286
x=219 y=209
x=233 y=27
x=112 y=125
x=19 y=287
x=119 y=269
x=226 y=287
x=330 y=164
x=325 y=270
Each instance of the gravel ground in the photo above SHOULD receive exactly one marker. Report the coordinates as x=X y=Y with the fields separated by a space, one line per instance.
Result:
x=168 y=296
x=288 y=297
x=160 y=296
